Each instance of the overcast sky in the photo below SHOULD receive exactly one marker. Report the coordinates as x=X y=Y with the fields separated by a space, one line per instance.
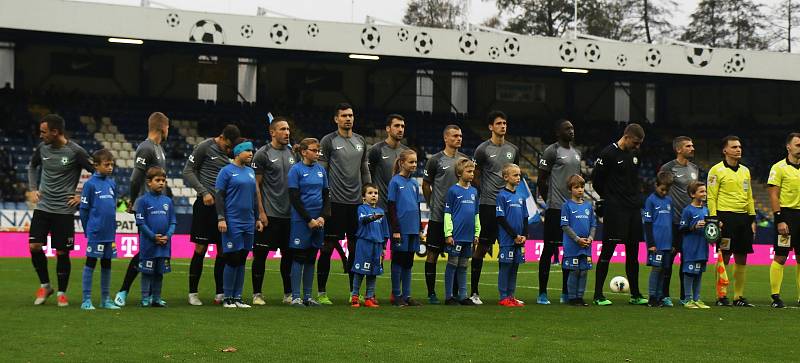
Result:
x=354 y=10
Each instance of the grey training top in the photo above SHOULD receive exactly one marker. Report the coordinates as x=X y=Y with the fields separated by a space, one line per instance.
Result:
x=273 y=165
x=682 y=176
x=562 y=163
x=148 y=155
x=440 y=173
x=345 y=160
x=60 y=169
x=203 y=166
x=381 y=158
x=490 y=160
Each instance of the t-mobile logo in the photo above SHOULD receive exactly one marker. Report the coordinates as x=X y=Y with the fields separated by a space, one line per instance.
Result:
x=130 y=245
x=49 y=251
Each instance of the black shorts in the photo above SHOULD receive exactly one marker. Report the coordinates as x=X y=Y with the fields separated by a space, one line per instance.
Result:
x=275 y=235
x=737 y=227
x=435 y=238
x=204 y=224
x=792 y=218
x=488 y=215
x=61 y=228
x=343 y=221
x=622 y=225
x=552 y=226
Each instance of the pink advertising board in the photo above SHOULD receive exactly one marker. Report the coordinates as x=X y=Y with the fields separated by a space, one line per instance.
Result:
x=15 y=244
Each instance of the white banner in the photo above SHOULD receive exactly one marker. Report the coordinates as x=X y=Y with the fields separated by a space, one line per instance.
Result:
x=20 y=221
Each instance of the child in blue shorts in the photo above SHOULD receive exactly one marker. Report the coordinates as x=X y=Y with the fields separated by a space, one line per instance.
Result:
x=578 y=223
x=462 y=226
x=405 y=224
x=695 y=245
x=658 y=235
x=373 y=230
x=512 y=217
x=99 y=221
x=155 y=218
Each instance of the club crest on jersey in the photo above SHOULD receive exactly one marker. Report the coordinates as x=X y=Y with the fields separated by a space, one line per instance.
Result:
x=635 y=160
x=520 y=201
x=694 y=175
x=297 y=241
x=229 y=244
x=359 y=147
x=472 y=196
x=166 y=206
x=509 y=155
x=291 y=160
x=586 y=211
x=319 y=174
x=64 y=160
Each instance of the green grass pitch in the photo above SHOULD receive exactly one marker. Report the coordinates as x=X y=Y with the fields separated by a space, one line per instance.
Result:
x=276 y=332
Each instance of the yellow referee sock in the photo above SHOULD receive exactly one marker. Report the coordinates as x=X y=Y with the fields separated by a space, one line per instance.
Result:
x=797 y=271
x=738 y=280
x=775 y=277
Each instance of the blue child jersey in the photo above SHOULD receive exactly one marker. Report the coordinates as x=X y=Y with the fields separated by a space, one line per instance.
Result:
x=580 y=217
x=658 y=211
x=404 y=193
x=241 y=202
x=98 y=209
x=511 y=206
x=310 y=180
x=376 y=231
x=157 y=213
x=695 y=246
x=460 y=203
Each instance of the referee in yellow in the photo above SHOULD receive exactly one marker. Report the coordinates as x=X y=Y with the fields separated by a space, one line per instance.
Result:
x=730 y=198
x=784 y=197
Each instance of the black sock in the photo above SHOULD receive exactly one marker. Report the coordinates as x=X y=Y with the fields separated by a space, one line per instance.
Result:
x=430 y=277
x=323 y=270
x=195 y=271
x=130 y=274
x=286 y=270
x=475 y=274
x=219 y=269
x=544 y=267
x=600 y=278
x=39 y=261
x=564 y=281
x=258 y=267
x=667 y=277
x=63 y=268
x=632 y=271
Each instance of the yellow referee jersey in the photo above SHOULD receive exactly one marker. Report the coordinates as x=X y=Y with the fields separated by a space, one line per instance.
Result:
x=729 y=190
x=786 y=177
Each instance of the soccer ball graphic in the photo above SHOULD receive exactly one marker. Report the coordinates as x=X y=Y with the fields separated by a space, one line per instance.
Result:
x=312 y=30
x=619 y=284
x=370 y=37
x=402 y=34
x=279 y=34
x=247 y=31
x=622 y=60
x=467 y=43
x=423 y=43
x=207 y=31
x=698 y=57
x=567 y=51
x=592 y=52
x=494 y=52
x=511 y=46
x=735 y=64
x=173 y=20
x=653 y=57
